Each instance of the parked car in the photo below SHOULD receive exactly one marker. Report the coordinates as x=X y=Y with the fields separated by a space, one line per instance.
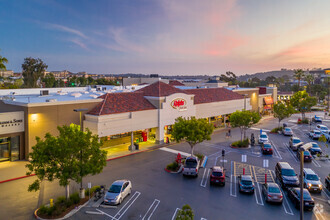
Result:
x=294 y=195
x=315 y=134
x=322 y=128
x=263 y=137
x=287 y=131
x=245 y=184
x=327 y=182
x=327 y=135
x=191 y=166
x=117 y=192
x=294 y=143
x=266 y=148
x=218 y=176
x=317 y=119
x=272 y=193
x=286 y=175
x=312 y=181
x=315 y=149
x=307 y=156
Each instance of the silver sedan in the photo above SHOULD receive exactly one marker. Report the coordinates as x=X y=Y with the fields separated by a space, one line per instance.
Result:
x=117 y=192
x=272 y=193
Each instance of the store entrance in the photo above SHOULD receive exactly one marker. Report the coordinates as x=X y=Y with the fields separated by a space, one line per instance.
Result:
x=9 y=148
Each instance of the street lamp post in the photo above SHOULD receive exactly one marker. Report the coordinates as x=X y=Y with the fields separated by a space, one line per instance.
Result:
x=301 y=179
x=82 y=191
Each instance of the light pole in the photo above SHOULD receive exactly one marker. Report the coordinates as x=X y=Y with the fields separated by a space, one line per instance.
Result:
x=82 y=191
x=301 y=179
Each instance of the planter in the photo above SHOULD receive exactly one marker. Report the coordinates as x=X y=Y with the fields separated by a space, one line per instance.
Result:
x=178 y=171
x=322 y=158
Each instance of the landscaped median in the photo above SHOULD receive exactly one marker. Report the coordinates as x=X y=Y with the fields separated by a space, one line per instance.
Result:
x=64 y=208
x=177 y=165
x=241 y=144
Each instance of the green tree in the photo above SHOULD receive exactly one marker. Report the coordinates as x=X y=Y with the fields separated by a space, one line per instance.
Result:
x=90 y=80
x=192 y=130
x=244 y=120
x=299 y=75
x=282 y=111
x=310 y=80
x=303 y=102
x=72 y=155
x=49 y=80
x=186 y=213
x=33 y=69
x=3 y=60
x=82 y=81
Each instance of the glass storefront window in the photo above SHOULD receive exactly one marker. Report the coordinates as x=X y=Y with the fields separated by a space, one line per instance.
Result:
x=9 y=148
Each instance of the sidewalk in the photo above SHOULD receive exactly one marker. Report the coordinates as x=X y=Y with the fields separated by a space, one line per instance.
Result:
x=12 y=170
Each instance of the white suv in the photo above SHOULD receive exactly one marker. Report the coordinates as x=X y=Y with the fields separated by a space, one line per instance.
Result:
x=315 y=134
x=263 y=138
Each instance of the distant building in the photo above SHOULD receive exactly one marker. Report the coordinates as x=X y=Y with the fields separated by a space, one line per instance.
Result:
x=6 y=73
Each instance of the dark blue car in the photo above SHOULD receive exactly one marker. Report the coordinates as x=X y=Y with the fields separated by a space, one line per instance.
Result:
x=245 y=184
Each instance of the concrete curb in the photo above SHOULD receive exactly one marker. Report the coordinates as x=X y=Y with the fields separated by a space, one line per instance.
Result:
x=71 y=213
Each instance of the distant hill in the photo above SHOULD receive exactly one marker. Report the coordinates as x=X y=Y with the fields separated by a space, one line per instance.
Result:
x=264 y=75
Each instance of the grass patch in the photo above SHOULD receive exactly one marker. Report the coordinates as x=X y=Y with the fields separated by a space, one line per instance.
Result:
x=241 y=144
x=276 y=130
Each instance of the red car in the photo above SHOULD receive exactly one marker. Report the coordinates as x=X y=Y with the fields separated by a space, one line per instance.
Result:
x=217 y=176
x=267 y=148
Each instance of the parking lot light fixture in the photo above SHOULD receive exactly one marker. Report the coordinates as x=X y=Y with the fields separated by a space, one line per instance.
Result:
x=301 y=183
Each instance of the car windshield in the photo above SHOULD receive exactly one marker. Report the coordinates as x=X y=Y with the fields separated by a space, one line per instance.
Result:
x=296 y=141
x=274 y=190
x=217 y=174
x=288 y=129
x=306 y=195
x=115 y=189
x=306 y=153
x=246 y=182
x=312 y=177
x=315 y=145
x=317 y=132
x=267 y=146
x=324 y=128
x=191 y=163
x=263 y=136
x=288 y=172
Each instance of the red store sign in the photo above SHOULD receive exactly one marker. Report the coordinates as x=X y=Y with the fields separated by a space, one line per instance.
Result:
x=179 y=103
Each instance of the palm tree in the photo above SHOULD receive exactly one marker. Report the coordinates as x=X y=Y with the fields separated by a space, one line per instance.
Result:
x=310 y=80
x=299 y=75
x=3 y=60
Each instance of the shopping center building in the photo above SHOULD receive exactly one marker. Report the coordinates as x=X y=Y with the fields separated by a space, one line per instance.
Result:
x=142 y=114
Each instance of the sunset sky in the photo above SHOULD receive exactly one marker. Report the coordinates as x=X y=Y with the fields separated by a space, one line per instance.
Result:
x=167 y=37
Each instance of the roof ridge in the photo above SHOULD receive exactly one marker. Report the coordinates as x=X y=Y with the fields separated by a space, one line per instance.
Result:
x=104 y=101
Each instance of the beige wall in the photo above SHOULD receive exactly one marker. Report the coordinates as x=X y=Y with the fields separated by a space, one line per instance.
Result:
x=253 y=94
x=43 y=119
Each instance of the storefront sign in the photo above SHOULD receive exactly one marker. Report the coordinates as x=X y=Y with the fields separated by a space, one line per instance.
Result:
x=179 y=103
x=11 y=122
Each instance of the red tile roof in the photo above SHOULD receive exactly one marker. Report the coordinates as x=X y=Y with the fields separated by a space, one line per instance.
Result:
x=175 y=83
x=208 y=95
x=160 y=89
x=114 y=103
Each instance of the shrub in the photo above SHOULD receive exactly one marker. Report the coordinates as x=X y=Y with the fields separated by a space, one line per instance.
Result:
x=43 y=210
x=200 y=156
x=74 y=197
x=68 y=203
x=92 y=190
x=276 y=130
x=305 y=121
x=244 y=143
x=173 y=166
x=60 y=200
x=186 y=213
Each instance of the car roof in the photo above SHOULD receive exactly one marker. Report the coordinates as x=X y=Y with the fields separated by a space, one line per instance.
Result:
x=295 y=138
x=217 y=169
x=191 y=157
x=316 y=130
x=264 y=133
x=285 y=165
x=119 y=182
x=246 y=177
x=322 y=126
x=309 y=171
x=273 y=185
x=287 y=128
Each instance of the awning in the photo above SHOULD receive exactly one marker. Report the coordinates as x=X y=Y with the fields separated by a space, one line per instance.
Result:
x=268 y=100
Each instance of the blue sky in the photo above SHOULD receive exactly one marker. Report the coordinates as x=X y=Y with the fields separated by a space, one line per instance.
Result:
x=168 y=36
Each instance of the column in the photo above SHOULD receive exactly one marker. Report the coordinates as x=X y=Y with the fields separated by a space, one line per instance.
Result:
x=132 y=141
x=160 y=135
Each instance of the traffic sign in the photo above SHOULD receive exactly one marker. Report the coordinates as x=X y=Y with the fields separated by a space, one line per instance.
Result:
x=265 y=163
x=244 y=158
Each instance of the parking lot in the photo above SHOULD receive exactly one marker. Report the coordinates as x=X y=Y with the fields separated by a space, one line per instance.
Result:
x=159 y=195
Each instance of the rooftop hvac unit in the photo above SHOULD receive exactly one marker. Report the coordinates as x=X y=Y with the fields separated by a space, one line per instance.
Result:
x=44 y=92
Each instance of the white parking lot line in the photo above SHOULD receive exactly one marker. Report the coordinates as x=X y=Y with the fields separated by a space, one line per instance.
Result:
x=150 y=211
x=278 y=155
x=232 y=177
x=285 y=204
x=174 y=215
x=291 y=153
x=316 y=163
x=174 y=151
x=205 y=178
x=257 y=193
x=103 y=213
x=258 y=129
x=129 y=203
